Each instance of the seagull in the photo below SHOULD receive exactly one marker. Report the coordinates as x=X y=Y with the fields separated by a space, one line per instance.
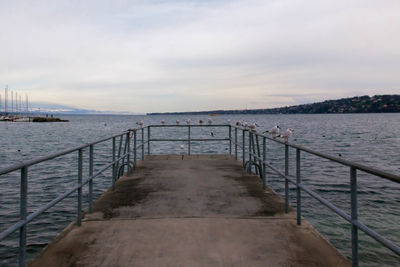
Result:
x=274 y=131
x=228 y=121
x=201 y=121
x=188 y=121
x=238 y=123
x=177 y=122
x=162 y=122
x=286 y=134
x=182 y=146
x=212 y=134
x=140 y=123
x=209 y=121
x=244 y=124
x=252 y=127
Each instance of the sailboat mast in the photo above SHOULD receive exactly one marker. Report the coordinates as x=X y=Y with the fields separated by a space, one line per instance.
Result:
x=12 y=103
x=5 y=100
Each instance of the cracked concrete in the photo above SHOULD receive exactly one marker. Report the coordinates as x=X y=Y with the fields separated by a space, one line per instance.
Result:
x=190 y=211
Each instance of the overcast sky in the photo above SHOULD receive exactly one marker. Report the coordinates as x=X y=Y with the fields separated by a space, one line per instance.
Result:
x=152 y=56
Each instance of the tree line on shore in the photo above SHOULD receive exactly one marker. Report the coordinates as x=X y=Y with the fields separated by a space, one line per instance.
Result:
x=357 y=104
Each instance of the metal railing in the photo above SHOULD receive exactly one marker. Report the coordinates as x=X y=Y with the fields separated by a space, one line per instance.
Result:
x=257 y=156
x=189 y=138
x=123 y=156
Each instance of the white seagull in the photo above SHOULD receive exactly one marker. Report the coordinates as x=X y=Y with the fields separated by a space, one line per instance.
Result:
x=177 y=122
x=274 y=131
x=228 y=121
x=188 y=121
x=252 y=127
x=140 y=123
x=286 y=134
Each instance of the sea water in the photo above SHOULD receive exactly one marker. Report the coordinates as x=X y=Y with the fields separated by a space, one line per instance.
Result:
x=371 y=139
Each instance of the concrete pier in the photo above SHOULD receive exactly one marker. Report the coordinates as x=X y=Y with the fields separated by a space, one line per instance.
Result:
x=190 y=211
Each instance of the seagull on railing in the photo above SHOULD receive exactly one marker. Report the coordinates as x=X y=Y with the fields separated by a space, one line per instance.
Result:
x=245 y=125
x=188 y=121
x=140 y=123
x=228 y=121
x=274 y=131
x=286 y=134
x=177 y=122
x=252 y=127
x=200 y=122
x=238 y=123
x=209 y=121
x=162 y=122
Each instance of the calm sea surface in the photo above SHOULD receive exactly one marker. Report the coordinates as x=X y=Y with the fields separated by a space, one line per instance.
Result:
x=372 y=139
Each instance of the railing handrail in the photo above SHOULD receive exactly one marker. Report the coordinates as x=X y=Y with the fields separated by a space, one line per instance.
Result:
x=260 y=162
x=28 y=163
x=359 y=166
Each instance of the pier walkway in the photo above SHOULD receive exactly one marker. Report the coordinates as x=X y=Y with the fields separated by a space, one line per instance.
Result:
x=197 y=210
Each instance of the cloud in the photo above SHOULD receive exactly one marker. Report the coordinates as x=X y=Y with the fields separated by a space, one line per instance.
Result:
x=150 y=56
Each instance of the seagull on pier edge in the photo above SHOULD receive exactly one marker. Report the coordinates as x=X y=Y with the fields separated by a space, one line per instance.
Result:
x=209 y=121
x=140 y=123
x=162 y=122
x=286 y=134
x=228 y=121
x=200 y=122
x=177 y=122
x=274 y=131
x=188 y=121
x=238 y=123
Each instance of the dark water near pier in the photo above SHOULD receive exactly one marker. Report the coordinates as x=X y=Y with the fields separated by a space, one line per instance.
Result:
x=371 y=139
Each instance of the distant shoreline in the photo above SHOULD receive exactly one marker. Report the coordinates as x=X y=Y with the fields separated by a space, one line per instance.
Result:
x=358 y=104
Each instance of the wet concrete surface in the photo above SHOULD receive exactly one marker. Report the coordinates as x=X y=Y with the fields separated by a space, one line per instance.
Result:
x=190 y=211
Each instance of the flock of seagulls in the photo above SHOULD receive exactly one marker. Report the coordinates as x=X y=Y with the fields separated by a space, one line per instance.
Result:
x=274 y=131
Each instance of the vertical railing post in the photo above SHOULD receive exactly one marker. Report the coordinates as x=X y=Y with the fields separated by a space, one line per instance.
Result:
x=148 y=140
x=79 y=212
x=236 y=145
x=264 y=159
x=128 y=157
x=298 y=191
x=142 y=143
x=250 y=157
x=91 y=180
x=354 y=216
x=286 y=180
x=114 y=166
x=189 y=139
x=243 y=147
x=257 y=152
x=134 y=147
x=230 y=140
x=23 y=211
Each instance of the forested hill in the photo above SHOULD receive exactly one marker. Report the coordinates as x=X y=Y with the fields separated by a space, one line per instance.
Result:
x=358 y=104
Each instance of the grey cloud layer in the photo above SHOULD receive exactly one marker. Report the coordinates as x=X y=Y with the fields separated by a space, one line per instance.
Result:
x=194 y=55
